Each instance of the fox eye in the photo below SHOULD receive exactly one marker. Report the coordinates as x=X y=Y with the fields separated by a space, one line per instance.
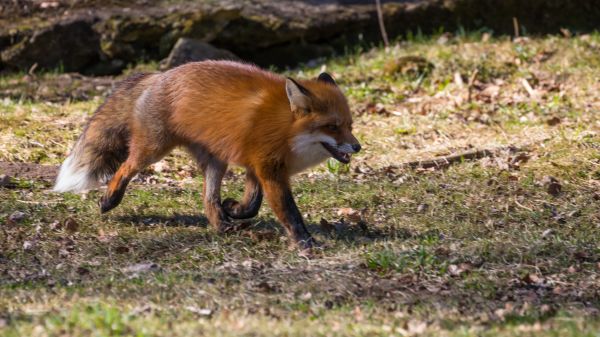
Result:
x=332 y=127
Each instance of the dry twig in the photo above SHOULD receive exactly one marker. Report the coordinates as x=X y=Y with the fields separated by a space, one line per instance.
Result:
x=386 y=42
x=445 y=161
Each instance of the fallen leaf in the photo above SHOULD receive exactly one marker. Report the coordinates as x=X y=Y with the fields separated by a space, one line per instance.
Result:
x=485 y=37
x=566 y=32
x=546 y=309
x=55 y=225
x=82 y=270
x=264 y=235
x=122 y=249
x=546 y=233
x=553 y=121
x=28 y=245
x=532 y=279
x=553 y=187
x=161 y=166
x=306 y=296
x=266 y=286
x=71 y=225
x=491 y=91
x=350 y=214
x=456 y=270
x=416 y=327
x=358 y=315
x=106 y=237
x=501 y=312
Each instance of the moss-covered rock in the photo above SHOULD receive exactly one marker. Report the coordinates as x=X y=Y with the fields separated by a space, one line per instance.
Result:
x=71 y=44
x=190 y=50
x=277 y=33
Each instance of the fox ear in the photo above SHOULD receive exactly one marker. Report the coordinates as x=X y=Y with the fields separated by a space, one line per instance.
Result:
x=325 y=77
x=298 y=95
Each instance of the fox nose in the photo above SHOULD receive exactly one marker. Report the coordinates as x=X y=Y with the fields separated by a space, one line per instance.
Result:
x=356 y=147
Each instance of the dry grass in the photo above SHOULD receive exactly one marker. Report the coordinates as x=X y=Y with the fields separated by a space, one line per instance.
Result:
x=481 y=248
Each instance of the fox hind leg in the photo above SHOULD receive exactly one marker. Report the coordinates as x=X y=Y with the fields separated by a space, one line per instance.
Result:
x=117 y=186
x=250 y=203
x=139 y=158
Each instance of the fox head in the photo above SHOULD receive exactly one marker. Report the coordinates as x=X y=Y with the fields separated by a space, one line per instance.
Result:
x=322 y=121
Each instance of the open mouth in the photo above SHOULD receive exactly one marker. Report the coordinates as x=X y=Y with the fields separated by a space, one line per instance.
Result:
x=338 y=155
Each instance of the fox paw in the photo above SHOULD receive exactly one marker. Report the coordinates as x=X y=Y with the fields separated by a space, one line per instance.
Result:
x=233 y=208
x=307 y=248
x=108 y=202
x=237 y=210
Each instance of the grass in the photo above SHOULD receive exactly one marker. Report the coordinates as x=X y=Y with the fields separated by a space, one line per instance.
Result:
x=480 y=248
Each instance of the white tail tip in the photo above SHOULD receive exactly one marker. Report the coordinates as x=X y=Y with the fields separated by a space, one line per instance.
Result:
x=72 y=178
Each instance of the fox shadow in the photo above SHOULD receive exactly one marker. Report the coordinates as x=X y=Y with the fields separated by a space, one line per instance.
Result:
x=175 y=220
x=342 y=232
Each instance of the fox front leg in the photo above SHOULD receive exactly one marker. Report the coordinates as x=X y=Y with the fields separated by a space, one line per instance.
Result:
x=279 y=195
x=250 y=204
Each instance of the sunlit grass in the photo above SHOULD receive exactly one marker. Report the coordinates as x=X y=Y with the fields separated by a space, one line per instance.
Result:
x=480 y=248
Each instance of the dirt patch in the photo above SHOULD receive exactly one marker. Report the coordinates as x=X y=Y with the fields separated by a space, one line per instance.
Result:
x=29 y=171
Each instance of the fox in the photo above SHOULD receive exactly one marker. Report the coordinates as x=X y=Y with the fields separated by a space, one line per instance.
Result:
x=223 y=113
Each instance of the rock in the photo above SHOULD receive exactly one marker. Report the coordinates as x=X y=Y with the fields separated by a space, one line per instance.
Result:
x=5 y=181
x=101 y=39
x=71 y=44
x=132 y=37
x=191 y=50
x=17 y=216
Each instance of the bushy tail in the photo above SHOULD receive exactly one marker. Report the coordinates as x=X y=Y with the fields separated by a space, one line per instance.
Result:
x=94 y=159
x=104 y=144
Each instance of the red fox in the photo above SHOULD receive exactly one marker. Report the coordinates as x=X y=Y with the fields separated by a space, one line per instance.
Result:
x=223 y=113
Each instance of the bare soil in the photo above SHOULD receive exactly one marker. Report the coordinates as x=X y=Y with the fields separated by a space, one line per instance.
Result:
x=29 y=171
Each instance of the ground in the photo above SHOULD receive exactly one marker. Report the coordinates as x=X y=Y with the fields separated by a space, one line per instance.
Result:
x=503 y=241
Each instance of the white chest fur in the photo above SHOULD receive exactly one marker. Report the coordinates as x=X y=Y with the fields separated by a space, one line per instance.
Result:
x=307 y=151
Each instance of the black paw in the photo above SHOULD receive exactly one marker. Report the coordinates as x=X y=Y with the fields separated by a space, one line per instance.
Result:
x=108 y=202
x=236 y=210
x=232 y=207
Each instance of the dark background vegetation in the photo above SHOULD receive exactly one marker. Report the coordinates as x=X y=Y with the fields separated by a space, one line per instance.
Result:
x=104 y=37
